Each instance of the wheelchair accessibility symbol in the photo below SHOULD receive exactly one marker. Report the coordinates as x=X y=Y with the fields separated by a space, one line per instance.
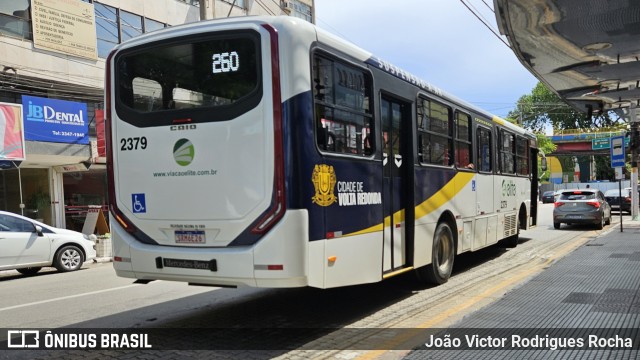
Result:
x=138 y=203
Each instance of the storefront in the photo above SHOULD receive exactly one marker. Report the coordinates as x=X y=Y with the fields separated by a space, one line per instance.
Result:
x=83 y=189
x=59 y=168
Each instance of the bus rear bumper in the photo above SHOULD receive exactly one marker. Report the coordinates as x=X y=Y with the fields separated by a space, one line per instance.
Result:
x=279 y=259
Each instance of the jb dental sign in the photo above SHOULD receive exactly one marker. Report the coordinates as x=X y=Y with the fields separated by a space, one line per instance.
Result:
x=53 y=120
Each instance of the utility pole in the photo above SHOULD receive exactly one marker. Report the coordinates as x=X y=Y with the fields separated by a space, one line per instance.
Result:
x=203 y=9
x=635 y=140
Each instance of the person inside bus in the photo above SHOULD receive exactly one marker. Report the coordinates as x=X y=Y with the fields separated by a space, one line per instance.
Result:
x=367 y=146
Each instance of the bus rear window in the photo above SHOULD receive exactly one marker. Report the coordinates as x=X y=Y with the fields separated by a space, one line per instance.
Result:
x=188 y=74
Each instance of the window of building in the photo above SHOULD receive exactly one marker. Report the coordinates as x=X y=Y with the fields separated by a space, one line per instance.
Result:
x=130 y=25
x=107 y=29
x=299 y=10
x=152 y=25
x=522 y=156
x=238 y=3
x=435 y=140
x=507 y=153
x=15 y=19
x=192 y=2
x=114 y=26
x=342 y=96
x=464 y=155
x=484 y=149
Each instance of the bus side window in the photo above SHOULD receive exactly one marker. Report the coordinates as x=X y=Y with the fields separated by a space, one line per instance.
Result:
x=507 y=153
x=484 y=149
x=522 y=156
x=434 y=133
x=463 y=147
x=342 y=93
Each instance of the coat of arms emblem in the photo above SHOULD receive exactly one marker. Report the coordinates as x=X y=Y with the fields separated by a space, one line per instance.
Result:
x=324 y=181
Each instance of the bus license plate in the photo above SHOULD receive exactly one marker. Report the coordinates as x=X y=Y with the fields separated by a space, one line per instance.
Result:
x=189 y=237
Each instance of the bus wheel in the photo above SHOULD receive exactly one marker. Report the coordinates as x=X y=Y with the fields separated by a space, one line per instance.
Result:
x=439 y=271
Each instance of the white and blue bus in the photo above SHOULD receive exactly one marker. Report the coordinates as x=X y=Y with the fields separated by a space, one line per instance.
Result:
x=263 y=151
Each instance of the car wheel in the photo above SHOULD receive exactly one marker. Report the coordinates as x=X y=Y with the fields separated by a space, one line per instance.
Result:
x=68 y=258
x=600 y=225
x=556 y=225
x=442 y=255
x=608 y=222
x=29 y=270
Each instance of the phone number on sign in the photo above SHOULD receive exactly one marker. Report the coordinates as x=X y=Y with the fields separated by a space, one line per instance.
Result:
x=67 y=133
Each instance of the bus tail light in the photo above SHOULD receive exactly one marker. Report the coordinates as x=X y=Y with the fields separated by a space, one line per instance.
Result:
x=278 y=203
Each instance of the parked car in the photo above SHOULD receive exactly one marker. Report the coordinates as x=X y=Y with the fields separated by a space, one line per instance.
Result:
x=581 y=207
x=619 y=201
x=548 y=197
x=27 y=245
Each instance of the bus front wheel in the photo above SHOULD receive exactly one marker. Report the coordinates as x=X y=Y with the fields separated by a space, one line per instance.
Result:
x=442 y=255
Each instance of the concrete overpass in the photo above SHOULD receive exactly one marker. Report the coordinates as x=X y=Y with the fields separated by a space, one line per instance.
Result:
x=576 y=142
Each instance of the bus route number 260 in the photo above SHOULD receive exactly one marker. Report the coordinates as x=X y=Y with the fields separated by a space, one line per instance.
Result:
x=133 y=143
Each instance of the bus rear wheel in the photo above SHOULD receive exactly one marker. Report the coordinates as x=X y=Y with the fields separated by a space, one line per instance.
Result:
x=442 y=255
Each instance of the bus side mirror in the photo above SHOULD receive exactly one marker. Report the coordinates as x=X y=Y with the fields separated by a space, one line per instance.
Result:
x=543 y=164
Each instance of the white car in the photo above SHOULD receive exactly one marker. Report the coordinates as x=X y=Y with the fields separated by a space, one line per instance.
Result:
x=28 y=245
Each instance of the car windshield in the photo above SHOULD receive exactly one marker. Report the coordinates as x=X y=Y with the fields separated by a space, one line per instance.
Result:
x=547 y=193
x=577 y=195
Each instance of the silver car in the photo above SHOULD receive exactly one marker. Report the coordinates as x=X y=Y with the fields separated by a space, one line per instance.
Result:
x=577 y=206
x=28 y=245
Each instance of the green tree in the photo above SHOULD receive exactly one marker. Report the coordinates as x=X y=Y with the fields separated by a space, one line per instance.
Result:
x=546 y=146
x=543 y=107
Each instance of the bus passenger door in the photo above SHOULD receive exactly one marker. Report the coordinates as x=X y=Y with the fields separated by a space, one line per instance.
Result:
x=484 y=186
x=486 y=222
x=397 y=165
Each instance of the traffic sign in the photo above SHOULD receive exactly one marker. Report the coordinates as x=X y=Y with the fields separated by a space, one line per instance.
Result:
x=605 y=143
x=617 y=151
x=597 y=144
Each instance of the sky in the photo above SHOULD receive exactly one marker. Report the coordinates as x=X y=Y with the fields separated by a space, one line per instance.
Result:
x=439 y=41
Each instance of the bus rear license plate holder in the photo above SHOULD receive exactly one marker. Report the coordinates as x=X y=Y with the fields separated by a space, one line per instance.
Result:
x=211 y=265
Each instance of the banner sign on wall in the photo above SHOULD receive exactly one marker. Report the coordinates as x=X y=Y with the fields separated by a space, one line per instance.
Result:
x=102 y=148
x=64 y=26
x=11 y=133
x=54 y=120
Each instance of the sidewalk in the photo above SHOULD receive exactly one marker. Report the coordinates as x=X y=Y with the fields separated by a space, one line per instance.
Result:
x=590 y=297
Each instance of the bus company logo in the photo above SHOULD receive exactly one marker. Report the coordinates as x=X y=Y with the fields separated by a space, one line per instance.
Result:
x=324 y=181
x=183 y=152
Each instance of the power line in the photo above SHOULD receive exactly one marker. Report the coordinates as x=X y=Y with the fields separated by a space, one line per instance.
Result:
x=490 y=8
x=486 y=25
x=266 y=8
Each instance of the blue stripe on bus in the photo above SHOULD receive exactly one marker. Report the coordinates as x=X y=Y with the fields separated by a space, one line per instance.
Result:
x=302 y=156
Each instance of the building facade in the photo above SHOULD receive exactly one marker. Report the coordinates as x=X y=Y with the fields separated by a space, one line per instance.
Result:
x=52 y=56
